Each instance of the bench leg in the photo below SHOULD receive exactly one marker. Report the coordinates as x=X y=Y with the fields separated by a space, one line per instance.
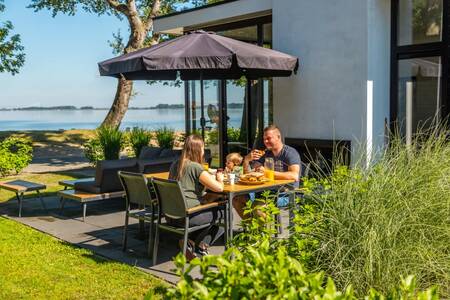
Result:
x=84 y=211
x=42 y=200
x=62 y=201
x=19 y=197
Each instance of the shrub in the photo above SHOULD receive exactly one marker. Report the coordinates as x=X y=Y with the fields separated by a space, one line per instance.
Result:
x=165 y=137
x=139 y=137
x=259 y=266
x=93 y=151
x=111 y=141
x=260 y=272
x=378 y=223
x=15 y=154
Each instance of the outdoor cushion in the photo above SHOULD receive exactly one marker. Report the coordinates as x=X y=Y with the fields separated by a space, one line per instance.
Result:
x=155 y=165
x=106 y=178
x=149 y=152
x=170 y=153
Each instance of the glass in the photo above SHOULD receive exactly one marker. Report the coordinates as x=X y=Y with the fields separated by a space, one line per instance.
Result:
x=269 y=169
x=205 y=166
x=419 y=94
x=419 y=21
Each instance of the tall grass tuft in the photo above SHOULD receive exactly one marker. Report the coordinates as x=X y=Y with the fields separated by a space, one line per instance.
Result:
x=390 y=219
x=139 y=137
x=111 y=140
x=165 y=137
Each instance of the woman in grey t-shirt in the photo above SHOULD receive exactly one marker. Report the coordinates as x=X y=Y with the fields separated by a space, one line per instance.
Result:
x=194 y=181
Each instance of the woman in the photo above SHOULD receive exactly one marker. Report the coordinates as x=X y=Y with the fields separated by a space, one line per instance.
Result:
x=194 y=180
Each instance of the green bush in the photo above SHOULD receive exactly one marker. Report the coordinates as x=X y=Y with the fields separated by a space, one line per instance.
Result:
x=15 y=154
x=166 y=137
x=375 y=224
x=93 y=151
x=111 y=141
x=259 y=266
x=138 y=138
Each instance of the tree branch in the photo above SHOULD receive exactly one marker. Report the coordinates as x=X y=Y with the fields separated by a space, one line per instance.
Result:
x=156 y=8
x=116 y=5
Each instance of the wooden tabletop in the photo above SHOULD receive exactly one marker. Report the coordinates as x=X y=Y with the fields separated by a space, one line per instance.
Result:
x=237 y=187
x=82 y=196
x=162 y=175
x=22 y=186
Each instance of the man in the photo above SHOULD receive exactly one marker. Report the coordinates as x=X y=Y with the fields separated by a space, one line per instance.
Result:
x=286 y=160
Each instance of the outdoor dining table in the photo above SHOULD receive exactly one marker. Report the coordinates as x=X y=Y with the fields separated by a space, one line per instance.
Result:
x=237 y=189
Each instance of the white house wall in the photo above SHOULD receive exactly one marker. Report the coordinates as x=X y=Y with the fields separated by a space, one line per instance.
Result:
x=341 y=45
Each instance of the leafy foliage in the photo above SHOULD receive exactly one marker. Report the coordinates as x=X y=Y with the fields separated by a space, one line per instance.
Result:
x=93 y=151
x=12 y=56
x=260 y=267
x=166 y=137
x=111 y=141
x=139 y=137
x=15 y=154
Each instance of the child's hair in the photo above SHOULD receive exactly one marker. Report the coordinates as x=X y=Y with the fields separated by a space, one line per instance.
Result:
x=235 y=158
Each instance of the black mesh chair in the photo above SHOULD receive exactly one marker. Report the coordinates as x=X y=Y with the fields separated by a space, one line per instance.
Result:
x=138 y=192
x=172 y=204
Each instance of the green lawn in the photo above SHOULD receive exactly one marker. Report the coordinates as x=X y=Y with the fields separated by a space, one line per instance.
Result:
x=35 y=265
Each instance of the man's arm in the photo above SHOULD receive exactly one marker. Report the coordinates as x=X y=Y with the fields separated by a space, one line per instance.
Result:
x=292 y=173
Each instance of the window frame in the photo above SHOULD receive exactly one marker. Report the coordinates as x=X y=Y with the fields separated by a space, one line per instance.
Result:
x=440 y=49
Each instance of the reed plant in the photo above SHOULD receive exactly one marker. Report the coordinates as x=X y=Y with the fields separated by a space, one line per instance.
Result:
x=139 y=137
x=388 y=220
x=111 y=140
x=166 y=137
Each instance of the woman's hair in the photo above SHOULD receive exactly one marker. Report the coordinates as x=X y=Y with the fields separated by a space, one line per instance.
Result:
x=192 y=151
x=235 y=158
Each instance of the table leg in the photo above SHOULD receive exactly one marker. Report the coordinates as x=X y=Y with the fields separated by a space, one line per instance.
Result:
x=19 y=197
x=230 y=216
x=292 y=207
x=42 y=200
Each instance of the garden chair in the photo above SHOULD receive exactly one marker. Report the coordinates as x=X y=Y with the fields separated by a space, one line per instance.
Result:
x=137 y=192
x=172 y=203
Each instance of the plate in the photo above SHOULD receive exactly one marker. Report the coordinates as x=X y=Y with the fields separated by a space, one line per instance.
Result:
x=250 y=182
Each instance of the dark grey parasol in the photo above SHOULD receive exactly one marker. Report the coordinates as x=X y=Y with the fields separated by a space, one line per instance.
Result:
x=200 y=55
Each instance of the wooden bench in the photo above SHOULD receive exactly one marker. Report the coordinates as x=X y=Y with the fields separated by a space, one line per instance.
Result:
x=20 y=187
x=84 y=197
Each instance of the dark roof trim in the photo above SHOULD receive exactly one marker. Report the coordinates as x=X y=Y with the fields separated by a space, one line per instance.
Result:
x=194 y=9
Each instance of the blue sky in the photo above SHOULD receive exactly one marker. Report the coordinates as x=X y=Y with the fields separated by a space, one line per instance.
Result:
x=61 y=62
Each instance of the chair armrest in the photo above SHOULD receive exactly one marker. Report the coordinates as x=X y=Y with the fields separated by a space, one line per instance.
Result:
x=205 y=207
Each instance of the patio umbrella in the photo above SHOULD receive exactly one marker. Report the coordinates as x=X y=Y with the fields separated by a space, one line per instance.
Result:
x=200 y=55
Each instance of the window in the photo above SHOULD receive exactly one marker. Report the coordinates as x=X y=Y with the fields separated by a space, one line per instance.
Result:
x=419 y=97
x=419 y=21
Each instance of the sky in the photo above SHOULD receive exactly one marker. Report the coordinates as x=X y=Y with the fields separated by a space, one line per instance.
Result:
x=61 y=62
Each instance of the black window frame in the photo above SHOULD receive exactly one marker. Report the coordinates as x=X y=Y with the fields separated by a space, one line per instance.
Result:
x=440 y=49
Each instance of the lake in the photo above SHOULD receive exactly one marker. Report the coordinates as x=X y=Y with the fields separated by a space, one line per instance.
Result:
x=91 y=119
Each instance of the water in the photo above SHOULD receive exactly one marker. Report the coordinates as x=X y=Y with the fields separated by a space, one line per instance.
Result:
x=91 y=119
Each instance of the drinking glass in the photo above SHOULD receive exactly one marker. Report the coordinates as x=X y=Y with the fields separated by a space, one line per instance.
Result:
x=269 y=169
x=205 y=166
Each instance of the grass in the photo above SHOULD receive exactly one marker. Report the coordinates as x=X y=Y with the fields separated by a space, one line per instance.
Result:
x=390 y=220
x=35 y=265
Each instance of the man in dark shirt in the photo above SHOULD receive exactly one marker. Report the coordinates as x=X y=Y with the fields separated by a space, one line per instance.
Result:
x=286 y=159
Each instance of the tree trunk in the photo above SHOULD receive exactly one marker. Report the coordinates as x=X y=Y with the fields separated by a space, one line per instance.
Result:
x=120 y=104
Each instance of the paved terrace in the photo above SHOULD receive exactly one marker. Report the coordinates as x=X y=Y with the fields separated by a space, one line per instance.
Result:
x=101 y=232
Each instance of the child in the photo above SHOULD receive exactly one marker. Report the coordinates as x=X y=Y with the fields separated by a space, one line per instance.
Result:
x=232 y=160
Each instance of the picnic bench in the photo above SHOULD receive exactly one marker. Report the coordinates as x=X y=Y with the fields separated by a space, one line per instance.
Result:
x=20 y=187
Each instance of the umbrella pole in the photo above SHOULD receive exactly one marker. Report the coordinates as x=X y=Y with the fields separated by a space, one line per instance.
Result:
x=202 y=111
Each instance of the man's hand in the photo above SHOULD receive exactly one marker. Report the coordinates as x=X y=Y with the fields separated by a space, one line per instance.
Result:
x=254 y=155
